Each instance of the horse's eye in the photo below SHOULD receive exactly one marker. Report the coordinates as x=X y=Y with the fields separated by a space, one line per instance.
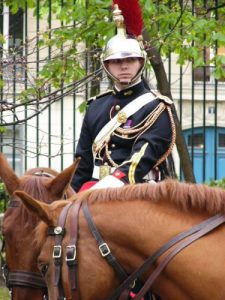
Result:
x=43 y=269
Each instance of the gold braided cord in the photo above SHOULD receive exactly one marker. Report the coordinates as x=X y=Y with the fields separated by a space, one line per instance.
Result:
x=155 y=117
x=135 y=161
x=137 y=132
x=173 y=126
x=137 y=128
x=152 y=118
x=112 y=162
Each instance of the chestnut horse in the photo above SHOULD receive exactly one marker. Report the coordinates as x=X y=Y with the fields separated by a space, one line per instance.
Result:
x=135 y=221
x=22 y=274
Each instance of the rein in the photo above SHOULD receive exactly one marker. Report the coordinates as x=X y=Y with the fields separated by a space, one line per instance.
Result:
x=103 y=246
x=191 y=236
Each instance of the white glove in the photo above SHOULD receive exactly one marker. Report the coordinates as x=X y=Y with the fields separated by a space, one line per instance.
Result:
x=108 y=181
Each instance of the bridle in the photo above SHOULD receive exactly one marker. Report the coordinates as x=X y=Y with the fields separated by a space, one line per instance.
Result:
x=71 y=257
x=20 y=278
x=179 y=242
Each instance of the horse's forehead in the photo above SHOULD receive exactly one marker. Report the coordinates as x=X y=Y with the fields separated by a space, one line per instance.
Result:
x=55 y=209
x=34 y=185
x=26 y=178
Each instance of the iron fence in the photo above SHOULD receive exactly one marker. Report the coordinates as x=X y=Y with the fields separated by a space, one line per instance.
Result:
x=49 y=137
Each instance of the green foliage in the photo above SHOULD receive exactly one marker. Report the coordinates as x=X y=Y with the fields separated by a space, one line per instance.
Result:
x=4 y=293
x=2 y=39
x=4 y=197
x=217 y=183
x=1 y=83
x=2 y=129
x=82 y=107
x=172 y=28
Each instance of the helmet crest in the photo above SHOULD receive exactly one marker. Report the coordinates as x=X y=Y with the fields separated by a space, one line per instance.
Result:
x=132 y=14
x=123 y=45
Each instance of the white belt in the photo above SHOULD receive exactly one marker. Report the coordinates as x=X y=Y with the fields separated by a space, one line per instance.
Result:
x=151 y=176
x=96 y=171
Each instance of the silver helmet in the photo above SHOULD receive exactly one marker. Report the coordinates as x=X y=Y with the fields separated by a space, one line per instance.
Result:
x=122 y=46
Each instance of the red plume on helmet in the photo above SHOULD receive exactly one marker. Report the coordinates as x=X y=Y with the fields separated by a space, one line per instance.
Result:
x=132 y=14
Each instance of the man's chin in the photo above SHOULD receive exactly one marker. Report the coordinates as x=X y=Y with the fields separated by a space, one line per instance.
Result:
x=125 y=81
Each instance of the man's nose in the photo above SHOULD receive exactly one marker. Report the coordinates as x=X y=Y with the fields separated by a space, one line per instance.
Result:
x=124 y=64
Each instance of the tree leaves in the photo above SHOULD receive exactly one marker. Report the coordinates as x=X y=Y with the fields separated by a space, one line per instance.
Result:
x=173 y=26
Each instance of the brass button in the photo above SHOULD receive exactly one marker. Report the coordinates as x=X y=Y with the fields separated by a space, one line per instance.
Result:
x=128 y=93
x=121 y=117
x=117 y=107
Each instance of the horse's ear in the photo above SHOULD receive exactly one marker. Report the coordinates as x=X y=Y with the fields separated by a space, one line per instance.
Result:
x=8 y=176
x=61 y=182
x=40 y=209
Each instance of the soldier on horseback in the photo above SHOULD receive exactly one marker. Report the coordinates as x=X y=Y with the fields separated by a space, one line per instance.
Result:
x=129 y=132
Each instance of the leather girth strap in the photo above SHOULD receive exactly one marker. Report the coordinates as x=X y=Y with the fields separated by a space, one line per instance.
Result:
x=193 y=233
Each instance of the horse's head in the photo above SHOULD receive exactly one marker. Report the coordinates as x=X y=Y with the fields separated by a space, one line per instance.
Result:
x=45 y=185
x=54 y=260
x=43 y=243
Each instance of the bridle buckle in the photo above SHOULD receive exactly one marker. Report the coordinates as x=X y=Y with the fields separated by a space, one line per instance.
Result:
x=104 y=249
x=57 y=251
x=71 y=253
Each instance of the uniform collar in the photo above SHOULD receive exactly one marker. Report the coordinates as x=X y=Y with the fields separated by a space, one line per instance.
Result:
x=132 y=91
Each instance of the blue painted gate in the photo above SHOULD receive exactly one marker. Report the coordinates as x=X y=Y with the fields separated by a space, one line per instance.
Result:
x=207 y=151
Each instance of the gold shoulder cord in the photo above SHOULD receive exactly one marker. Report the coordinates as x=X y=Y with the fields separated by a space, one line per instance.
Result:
x=173 y=126
x=137 y=156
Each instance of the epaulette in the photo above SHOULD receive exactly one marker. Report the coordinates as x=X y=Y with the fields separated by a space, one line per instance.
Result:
x=165 y=99
x=99 y=96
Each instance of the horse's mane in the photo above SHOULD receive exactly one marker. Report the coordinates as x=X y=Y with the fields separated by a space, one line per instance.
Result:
x=185 y=196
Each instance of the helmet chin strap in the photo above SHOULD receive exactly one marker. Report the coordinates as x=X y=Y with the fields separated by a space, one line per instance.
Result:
x=127 y=84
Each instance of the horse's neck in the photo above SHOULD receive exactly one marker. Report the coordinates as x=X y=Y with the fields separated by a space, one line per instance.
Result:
x=139 y=228
x=134 y=230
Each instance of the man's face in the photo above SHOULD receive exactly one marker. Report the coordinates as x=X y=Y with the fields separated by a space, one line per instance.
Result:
x=124 y=69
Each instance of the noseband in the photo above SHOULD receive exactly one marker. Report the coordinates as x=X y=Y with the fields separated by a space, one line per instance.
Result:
x=22 y=279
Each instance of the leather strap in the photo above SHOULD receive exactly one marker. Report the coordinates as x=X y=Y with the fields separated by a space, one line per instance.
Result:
x=152 y=259
x=26 y=279
x=71 y=250
x=102 y=245
x=57 y=251
x=208 y=228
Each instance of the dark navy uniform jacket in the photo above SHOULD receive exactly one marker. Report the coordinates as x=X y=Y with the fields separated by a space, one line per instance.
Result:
x=156 y=139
